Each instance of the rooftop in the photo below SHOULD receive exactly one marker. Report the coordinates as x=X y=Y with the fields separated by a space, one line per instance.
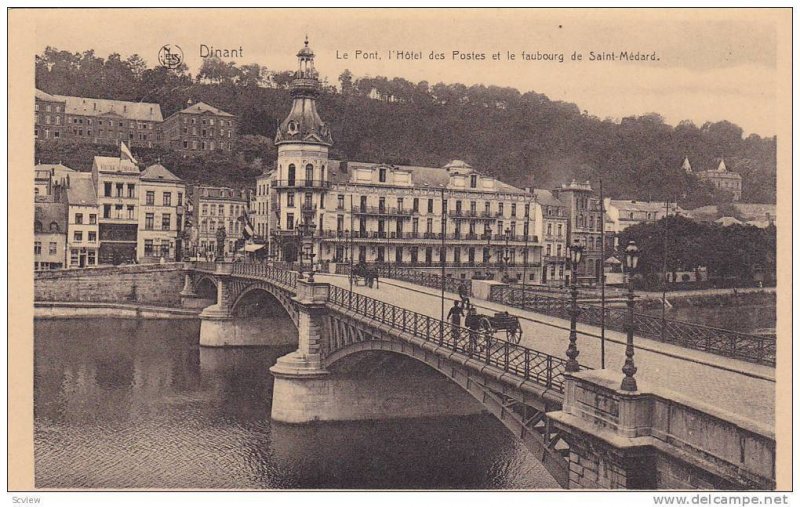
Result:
x=203 y=108
x=140 y=111
x=158 y=172
x=81 y=190
x=115 y=165
x=421 y=176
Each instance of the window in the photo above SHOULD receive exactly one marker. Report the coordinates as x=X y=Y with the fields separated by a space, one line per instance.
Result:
x=430 y=205
x=513 y=209
x=78 y=236
x=340 y=201
x=131 y=190
x=167 y=198
x=290 y=175
x=444 y=206
x=400 y=203
x=106 y=211
x=549 y=250
x=221 y=209
x=165 y=249
x=107 y=189
x=148 y=221
x=487 y=207
x=37 y=248
x=91 y=258
x=118 y=211
x=309 y=174
x=290 y=199
x=53 y=248
x=78 y=218
x=527 y=210
x=560 y=230
x=558 y=250
x=54 y=227
x=180 y=198
x=92 y=237
x=148 y=247
x=130 y=212
x=150 y=198
x=37 y=226
x=382 y=175
x=473 y=180
x=165 y=222
x=290 y=221
x=549 y=229
x=415 y=205
x=500 y=209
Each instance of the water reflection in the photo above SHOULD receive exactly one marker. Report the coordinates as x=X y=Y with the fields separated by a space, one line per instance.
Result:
x=125 y=403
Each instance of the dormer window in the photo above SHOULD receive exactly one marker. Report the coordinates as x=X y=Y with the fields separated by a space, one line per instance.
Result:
x=382 y=175
x=292 y=127
x=473 y=181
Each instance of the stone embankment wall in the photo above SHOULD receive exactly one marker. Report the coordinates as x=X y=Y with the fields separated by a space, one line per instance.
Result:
x=150 y=284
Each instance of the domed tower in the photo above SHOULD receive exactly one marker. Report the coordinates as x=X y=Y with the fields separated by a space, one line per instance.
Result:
x=303 y=139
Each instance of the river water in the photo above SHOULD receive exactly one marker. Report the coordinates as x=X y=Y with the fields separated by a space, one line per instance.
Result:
x=138 y=404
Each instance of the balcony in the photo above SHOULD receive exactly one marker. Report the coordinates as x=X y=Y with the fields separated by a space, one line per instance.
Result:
x=383 y=211
x=301 y=184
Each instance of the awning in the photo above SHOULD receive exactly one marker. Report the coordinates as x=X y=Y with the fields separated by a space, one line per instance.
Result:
x=253 y=248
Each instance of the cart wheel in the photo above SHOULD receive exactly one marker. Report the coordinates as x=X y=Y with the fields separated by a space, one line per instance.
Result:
x=514 y=335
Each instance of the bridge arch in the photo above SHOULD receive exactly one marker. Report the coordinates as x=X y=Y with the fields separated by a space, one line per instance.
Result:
x=527 y=422
x=273 y=296
x=206 y=287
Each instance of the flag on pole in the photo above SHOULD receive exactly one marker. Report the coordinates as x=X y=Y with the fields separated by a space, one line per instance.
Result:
x=247 y=228
x=125 y=153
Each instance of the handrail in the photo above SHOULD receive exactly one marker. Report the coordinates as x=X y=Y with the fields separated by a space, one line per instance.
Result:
x=747 y=347
x=543 y=369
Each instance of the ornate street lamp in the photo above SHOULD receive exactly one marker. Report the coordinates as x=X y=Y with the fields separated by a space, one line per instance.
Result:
x=575 y=255
x=308 y=252
x=631 y=262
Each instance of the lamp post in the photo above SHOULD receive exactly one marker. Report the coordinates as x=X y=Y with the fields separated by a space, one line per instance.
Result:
x=575 y=255
x=443 y=250
x=631 y=261
x=488 y=232
x=308 y=252
x=506 y=256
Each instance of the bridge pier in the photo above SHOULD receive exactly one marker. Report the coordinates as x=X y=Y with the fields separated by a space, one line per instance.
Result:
x=189 y=298
x=301 y=392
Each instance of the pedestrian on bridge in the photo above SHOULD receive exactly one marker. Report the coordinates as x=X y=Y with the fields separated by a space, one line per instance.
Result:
x=454 y=315
x=463 y=293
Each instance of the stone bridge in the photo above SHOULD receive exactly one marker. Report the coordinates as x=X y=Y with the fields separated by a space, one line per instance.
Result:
x=585 y=430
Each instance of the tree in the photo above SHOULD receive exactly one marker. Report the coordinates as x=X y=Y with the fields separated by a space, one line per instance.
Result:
x=346 y=82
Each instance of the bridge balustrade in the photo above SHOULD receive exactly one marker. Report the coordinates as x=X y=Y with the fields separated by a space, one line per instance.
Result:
x=523 y=362
x=275 y=273
x=724 y=342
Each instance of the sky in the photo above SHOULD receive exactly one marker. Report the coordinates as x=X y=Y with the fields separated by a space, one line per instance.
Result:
x=711 y=64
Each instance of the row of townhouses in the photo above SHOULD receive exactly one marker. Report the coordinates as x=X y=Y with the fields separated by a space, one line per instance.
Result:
x=119 y=214
x=198 y=127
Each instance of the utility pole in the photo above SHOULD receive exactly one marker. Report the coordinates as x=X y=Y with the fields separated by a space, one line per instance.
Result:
x=443 y=251
x=664 y=275
x=602 y=277
x=352 y=233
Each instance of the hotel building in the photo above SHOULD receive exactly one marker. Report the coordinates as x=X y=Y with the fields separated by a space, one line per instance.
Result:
x=373 y=212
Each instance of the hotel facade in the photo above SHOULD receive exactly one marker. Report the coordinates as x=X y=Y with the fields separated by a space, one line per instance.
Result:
x=385 y=213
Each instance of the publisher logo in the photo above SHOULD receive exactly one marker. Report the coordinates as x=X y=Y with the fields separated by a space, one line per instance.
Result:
x=170 y=56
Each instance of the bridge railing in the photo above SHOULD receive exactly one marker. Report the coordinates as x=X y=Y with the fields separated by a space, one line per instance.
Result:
x=275 y=273
x=523 y=362
x=724 y=342
x=206 y=266
x=426 y=279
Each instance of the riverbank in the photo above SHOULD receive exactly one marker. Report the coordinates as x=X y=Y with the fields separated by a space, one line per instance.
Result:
x=74 y=310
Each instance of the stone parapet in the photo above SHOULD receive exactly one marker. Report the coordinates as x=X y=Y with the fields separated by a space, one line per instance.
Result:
x=656 y=439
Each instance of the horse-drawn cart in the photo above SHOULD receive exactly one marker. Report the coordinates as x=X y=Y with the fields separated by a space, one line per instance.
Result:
x=489 y=325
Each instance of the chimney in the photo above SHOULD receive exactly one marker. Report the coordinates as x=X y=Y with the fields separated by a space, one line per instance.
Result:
x=94 y=106
x=124 y=108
